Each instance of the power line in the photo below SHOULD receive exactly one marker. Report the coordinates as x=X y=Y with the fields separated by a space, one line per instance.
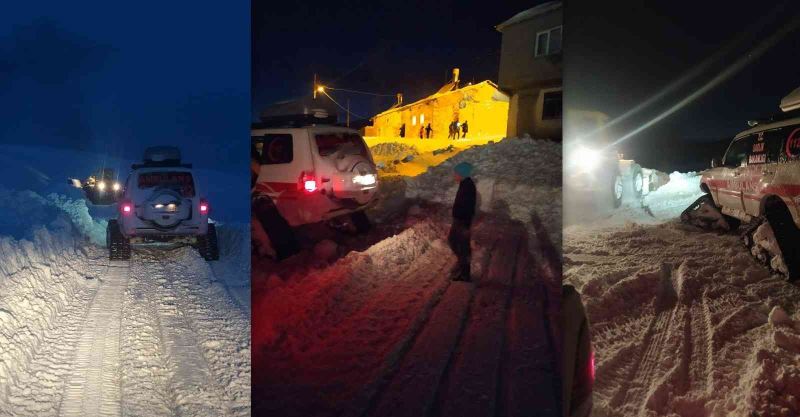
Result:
x=359 y=92
x=340 y=106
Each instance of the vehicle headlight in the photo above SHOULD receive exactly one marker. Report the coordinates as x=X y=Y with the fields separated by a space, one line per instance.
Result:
x=368 y=179
x=158 y=206
x=101 y=185
x=586 y=159
x=116 y=186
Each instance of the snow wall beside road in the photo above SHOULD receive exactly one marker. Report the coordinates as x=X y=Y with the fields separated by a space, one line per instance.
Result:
x=520 y=177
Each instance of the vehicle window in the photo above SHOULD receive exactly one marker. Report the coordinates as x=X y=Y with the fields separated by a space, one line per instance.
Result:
x=275 y=148
x=345 y=143
x=181 y=182
x=772 y=141
x=738 y=152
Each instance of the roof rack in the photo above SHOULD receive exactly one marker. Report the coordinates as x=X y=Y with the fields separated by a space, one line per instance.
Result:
x=293 y=121
x=169 y=163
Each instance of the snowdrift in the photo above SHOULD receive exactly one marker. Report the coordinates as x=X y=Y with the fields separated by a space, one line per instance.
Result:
x=520 y=177
x=38 y=278
x=683 y=322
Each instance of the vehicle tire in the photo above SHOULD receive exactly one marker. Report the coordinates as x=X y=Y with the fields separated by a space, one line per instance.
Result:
x=207 y=244
x=786 y=234
x=637 y=182
x=733 y=222
x=747 y=234
x=617 y=190
x=119 y=247
x=360 y=221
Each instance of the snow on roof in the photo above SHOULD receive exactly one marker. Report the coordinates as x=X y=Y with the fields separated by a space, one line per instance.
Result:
x=791 y=101
x=530 y=14
x=442 y=91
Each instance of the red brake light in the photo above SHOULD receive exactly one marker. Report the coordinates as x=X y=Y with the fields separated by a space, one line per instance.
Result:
x=308 y=182
x=126 y=207
x=204 y=207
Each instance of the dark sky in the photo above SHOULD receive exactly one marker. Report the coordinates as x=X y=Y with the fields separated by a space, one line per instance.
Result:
x=377 y=46
x=618 y=54
x=116 y=77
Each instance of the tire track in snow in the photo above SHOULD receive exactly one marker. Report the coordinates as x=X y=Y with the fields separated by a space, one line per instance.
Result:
x=94 y=387
x=39 y=389
x=205 y=336
x=652 y=345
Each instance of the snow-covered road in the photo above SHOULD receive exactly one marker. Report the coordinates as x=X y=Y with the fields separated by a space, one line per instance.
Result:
x=156 y=336
x=681 y=318
x=385 y=332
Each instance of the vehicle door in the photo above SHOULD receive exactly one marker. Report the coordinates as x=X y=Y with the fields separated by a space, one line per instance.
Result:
x=284 y=156
x=729 y=184
x=761 y=170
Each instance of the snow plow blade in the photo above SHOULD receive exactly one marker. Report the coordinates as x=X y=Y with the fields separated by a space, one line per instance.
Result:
x=704 y=214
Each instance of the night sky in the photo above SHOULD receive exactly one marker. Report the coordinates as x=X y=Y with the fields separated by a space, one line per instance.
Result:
x=620 y=53
x=116 y=77
x=382 y=47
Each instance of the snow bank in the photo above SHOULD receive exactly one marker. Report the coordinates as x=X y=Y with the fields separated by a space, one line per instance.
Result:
x=520 y=177
x=685 y=322
x=233 y=267
x=38 y=278
x=323 y=333
x=672 y=198
x=24 y=211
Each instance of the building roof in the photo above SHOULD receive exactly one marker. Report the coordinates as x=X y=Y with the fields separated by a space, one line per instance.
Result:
x=442 y=92
x=529 y=14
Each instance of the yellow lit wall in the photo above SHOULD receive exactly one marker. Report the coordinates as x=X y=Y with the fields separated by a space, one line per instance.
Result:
x=482 y=106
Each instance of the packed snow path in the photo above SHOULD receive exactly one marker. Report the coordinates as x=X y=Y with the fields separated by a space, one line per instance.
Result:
x=388 y=334
x=153 y=336
x=93 y=388
x=681 y=323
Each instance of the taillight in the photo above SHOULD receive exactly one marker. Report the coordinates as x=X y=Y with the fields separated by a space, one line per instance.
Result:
x=126 y=207
x=204 y=207
x=591 y=364
x=308 y=182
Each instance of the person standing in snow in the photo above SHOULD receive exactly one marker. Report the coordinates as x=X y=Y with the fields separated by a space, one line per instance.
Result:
x=403 y=130
x=453 y=130
x=428 y=131
x=464 y=129
x=421 y=131
x=463 y=212
x=266 y=213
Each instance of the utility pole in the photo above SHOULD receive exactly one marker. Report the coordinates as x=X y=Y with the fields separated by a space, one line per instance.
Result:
x=315 y=86
x=348 y=112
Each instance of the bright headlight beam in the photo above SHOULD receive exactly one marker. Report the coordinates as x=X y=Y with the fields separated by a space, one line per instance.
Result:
x=116 y=186
x=101 y=185
x=737 y=66
x=691 y=74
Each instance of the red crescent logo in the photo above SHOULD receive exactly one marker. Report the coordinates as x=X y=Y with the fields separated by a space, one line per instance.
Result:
x=793 y=142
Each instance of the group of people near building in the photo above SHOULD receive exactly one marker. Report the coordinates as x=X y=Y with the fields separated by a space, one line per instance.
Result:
x=425 y=131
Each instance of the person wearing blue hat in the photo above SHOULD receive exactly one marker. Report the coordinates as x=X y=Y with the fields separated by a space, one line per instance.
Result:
x=463 y=212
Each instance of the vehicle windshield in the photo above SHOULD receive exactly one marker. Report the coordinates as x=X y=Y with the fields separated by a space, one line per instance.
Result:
x=181 y=182
x=343 y=143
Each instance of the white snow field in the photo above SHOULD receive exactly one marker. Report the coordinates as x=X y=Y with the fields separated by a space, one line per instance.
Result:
x=684 y=322
x=163 y=334
x=383 y=331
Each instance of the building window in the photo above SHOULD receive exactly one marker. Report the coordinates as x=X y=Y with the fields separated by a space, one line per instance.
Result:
x=413 y=120
x=551 y=105
x=548 y=42
x=422 y=119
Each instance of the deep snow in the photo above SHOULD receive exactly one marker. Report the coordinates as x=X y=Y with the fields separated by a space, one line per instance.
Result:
x=517 y=176
x=167 y=329
x=372 y=324
x=684 y=322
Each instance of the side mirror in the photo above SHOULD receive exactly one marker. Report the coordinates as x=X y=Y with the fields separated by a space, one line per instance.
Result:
x=715 y=162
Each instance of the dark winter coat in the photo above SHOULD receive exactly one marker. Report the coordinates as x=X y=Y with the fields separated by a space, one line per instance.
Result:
x=466 y=199
x=465 y=128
